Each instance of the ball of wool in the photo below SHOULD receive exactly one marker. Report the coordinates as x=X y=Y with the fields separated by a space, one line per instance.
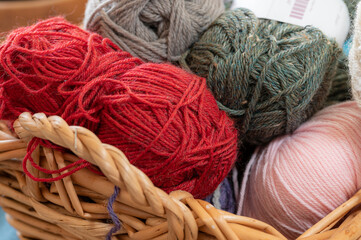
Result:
x=355 y=58
x=153 y=30
x=164 y=119
x=43 y=66
x=168 y=124
x=223 y=197
x=341 y=86
x=298 y=179
x=269 y=76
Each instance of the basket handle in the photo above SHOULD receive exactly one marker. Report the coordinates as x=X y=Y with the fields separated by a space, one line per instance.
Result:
x=184 y=213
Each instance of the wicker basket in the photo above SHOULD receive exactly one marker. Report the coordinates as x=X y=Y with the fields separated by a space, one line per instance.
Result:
x=15 y=14
x=75 y=207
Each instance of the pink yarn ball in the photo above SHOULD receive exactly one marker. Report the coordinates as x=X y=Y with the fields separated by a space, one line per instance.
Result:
x=298 y=179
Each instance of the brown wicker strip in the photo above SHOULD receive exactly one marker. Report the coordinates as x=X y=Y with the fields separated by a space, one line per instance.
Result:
x=75 y=207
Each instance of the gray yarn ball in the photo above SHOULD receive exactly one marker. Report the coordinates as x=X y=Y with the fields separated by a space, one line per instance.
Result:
x=153 y=30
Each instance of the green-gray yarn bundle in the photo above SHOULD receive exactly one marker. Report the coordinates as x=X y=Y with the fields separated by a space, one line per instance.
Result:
x=269 y=76
x=341 y=88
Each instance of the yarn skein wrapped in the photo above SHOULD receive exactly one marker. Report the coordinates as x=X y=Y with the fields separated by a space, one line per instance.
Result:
x=269 y=76
x=298 y=179
x=168 y=124
x=153 y=30
x=43 y=66
x=355 y=58
x=341 y=86
x=223 y=197
x=164 y=119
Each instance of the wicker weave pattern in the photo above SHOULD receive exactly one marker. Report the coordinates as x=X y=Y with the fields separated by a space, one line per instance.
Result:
x=75 y=207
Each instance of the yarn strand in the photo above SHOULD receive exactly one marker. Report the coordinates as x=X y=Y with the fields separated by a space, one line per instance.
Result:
x=113 y=215
x=33 y=144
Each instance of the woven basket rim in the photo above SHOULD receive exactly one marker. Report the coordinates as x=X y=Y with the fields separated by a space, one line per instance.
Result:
x=183 y=216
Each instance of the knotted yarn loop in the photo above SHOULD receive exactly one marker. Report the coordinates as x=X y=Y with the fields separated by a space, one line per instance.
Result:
x=33 y=144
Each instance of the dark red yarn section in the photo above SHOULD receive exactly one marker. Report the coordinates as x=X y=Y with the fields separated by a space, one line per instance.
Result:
x=164 y=119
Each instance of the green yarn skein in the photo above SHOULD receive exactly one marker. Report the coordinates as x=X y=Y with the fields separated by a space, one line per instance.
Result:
x=269 y=76
x=341 y=86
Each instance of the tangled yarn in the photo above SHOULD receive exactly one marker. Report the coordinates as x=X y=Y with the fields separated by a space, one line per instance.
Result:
x=153 y=30
x=164 y=119
x=43 y=68
x=269 y=76
x=299 y=178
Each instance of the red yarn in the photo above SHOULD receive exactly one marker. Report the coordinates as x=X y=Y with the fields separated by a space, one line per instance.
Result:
x=164 y=119
x=33 y=144
x=168 y=124
x=44 y=66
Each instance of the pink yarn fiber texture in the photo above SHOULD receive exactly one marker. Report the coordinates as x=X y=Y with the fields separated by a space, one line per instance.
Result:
x=298 y=179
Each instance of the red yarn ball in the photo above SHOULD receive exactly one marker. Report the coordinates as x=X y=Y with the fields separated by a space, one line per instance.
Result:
x=44 y=67
x=168 y=124
x=164 y=119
